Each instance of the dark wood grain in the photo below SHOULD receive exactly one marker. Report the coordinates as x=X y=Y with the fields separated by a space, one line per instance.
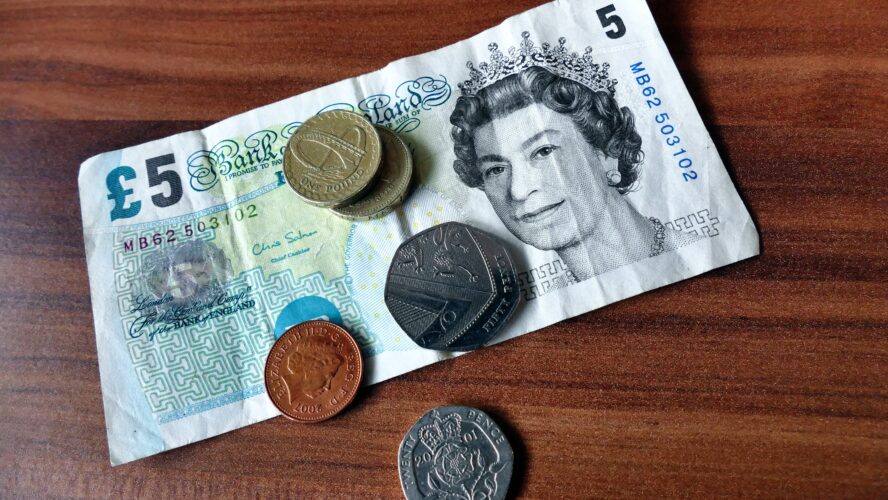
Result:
x=766 y=378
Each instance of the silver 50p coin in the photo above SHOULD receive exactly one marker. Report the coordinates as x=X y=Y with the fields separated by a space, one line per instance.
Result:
x=452 y=287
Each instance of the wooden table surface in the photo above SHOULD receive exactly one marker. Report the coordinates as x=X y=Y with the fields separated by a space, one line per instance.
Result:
x=766 y=378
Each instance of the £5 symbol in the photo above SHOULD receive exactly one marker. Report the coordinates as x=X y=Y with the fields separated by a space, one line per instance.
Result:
x=123 y=208
x=118 y=194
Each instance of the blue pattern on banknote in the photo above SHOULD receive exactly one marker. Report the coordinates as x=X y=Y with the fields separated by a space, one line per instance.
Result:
x=210 y=404
x=200 y=366
x=306 y=309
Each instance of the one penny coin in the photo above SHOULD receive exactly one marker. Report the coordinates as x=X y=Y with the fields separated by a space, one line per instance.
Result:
x=313 y=371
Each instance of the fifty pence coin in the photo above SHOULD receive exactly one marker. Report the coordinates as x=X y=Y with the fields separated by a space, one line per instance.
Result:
x=313 y=371
x=451 y=287
x=391 y=187
x=455 y=452
x=333 y=158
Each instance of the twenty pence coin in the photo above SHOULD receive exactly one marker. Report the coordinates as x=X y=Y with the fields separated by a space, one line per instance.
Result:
x=391 y=186
x=455 y=452
x=333 y=158
x=313 y=371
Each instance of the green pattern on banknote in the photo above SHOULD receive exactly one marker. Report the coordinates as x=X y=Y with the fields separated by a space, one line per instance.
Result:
x=197 y=327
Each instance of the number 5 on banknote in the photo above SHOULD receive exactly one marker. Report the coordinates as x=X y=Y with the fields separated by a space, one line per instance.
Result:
x=167 y=180
x=608 y=18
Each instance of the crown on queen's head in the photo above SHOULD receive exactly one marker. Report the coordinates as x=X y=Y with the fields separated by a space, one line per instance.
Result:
x=440 y=430
x=570 y=65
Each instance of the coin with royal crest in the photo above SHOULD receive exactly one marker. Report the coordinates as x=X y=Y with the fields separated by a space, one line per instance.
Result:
x=455 y=452
x=333 y=158
x=452 y=287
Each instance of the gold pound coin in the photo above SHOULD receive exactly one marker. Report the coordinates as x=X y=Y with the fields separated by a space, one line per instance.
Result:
x=392 y=185
x=333 y=158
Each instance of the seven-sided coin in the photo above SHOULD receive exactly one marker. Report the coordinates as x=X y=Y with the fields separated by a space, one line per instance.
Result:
x=455 y=452
x=451 y=287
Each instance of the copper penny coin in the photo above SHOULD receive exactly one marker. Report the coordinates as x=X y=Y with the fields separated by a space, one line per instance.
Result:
x=313 y=371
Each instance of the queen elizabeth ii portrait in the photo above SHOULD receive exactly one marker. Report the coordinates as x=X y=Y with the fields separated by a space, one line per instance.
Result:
x=311 y=369
x=539 y=131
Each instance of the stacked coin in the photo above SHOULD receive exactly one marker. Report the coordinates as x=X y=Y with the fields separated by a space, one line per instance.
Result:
x=339 y=160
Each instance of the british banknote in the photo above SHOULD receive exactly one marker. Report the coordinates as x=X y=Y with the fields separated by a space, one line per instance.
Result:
x=566 y=130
